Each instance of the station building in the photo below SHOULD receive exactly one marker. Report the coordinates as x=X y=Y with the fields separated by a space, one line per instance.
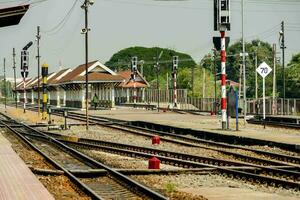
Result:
x=66 y=88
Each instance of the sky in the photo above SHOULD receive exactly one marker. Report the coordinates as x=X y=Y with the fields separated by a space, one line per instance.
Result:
x=185 y=26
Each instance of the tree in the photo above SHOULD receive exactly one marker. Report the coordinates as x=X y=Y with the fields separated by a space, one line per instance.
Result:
x=293 y=77
x=233 y=62
x=122 y=61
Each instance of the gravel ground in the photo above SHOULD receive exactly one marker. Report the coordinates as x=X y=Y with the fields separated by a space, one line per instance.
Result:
x=62 y=188
x=122 y=162
x=107 y=134
x=188 y=181
x=30 y=157
x=59 y=186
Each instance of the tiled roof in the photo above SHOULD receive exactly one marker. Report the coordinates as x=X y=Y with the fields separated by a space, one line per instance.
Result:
x=99 y=77
x=74 y=73
x=127 y=76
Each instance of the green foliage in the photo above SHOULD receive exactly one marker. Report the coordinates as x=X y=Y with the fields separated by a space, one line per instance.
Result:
x=263 y=50
x=170 y=187
x=8 y=90
x=122 y=60
x=293 y=77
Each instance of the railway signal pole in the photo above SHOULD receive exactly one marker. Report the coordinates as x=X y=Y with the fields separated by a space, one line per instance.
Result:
x=222 y=23
x=175 y=67
x=24 y=69
x=134 y=62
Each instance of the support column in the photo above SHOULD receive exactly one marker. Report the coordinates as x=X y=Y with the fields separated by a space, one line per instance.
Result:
x=112 y=96
x=127 y=95
x=223 y=80
x=58 y=97
x=83 y=106
x=143 y=94
x=18 y=97
x=32 y=96
x=65 y=98
x=49 y=98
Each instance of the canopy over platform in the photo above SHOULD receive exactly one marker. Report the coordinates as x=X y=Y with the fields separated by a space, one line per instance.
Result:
x=12 y=15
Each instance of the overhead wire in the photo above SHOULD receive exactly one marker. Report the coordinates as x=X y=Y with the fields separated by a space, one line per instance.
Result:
x=62 y=22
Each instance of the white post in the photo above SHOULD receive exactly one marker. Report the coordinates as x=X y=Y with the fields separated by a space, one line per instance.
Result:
x=65 y=98
x=83 y=99
x=112 y=96
x=264 y=100
x=58 y=97
x=32 y=97
x=127 y=95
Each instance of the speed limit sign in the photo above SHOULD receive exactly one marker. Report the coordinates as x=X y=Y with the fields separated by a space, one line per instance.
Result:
x=263 y=69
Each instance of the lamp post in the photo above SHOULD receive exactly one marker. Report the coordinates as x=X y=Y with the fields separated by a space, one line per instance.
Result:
x=85 y=31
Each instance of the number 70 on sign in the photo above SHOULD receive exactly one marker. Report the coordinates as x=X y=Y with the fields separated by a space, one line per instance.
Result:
x=263 y=69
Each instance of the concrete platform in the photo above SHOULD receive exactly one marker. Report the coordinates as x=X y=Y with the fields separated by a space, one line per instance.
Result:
x=17 y=182
x=226 y=193
x=207 y=123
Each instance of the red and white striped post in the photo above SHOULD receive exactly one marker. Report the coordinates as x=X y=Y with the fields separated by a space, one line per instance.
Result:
x=223 y=80
x=175 y=90
x=133 y=77
x=175 y=66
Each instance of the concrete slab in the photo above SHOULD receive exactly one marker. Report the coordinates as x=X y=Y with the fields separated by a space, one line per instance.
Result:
x=16 y=179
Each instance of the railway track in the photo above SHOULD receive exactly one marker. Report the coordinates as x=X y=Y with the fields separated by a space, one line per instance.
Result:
x=274 y=123
x=287 y=177
x=176 y=158
x=66 y=159
x=263 y=157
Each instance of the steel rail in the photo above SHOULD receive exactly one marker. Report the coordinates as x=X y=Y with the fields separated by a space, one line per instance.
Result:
x=119 y=176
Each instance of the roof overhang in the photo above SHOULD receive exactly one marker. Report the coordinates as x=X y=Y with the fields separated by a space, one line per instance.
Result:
x=12 y=15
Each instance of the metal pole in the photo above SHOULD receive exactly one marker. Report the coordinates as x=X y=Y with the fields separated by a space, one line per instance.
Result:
x=15 y=78
x=24 y=95
x=44 y=86
x=86 y=65
x=244 y=65
x=264 y=103
x=215 y=68
x=274 y=78
x=157 y=73
x=256 y=84
x=223 y=80
x=38 y=37
x=4 y=85
x=283 y=72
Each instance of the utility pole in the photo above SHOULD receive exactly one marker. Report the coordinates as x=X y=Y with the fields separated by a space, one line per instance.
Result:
x=15 y=78
x=256 y=84
x=240 y=80
x=244 y=66
x=85 y=31
x=274 y=79
x=215 y=69
x=157 y=77
x=38 y=37
x=193 y=80
x=203 y=82
x=4 y=84
x=282 y=46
